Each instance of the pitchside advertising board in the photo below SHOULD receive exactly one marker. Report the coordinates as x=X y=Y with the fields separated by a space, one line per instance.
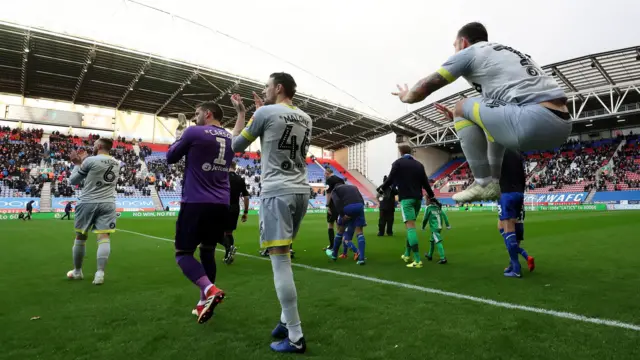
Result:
x=18 y=204
x=122 y=204
x=551 y=198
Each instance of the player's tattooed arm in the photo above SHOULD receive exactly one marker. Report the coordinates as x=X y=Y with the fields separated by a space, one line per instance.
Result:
x=421 y=89
x=236 y=101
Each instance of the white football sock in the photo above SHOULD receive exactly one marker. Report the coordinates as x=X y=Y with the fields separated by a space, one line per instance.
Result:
x=286 y=290
x=104 y=249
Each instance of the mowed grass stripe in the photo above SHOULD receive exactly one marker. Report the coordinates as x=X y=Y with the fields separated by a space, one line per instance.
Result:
x=506 y=305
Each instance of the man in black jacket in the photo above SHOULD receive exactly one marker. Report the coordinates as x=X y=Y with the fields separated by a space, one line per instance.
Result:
x=409 y=176
x=387 y=209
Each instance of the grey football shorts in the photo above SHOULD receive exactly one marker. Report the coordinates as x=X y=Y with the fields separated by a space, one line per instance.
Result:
x=280 y=219
x=518 y=127
x=99 y=217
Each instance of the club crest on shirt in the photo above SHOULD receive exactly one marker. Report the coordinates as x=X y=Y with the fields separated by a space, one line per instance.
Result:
x=206 y=167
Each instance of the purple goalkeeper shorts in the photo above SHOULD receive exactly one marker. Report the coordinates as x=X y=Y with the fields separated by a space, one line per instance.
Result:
x=200 y=223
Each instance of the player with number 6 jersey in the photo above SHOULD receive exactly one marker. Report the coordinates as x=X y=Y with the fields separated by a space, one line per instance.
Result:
x=205 y=201
x=521 y=107
x=284 y=132
x=96 y=208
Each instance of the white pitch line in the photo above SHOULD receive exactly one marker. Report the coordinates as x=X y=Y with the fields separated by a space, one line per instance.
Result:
x=506 y=305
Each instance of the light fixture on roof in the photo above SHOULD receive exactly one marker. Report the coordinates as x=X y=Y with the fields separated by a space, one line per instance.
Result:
x=589 y=125
x=131 y=88
x=26 y=50
x=622 y=120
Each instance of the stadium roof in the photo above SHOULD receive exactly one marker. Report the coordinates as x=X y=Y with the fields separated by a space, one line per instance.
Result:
x=42 y=64
x=598 y=86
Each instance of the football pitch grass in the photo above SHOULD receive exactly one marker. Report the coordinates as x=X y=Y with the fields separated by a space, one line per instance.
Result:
x=587 y=273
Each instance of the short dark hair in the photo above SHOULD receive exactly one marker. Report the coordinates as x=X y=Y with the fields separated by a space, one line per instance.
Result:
x=287 y=83
x=215 y=109
x=233 y=165
x=107 y=144
x=328 y=169
x=474 y=32
x=404 y=149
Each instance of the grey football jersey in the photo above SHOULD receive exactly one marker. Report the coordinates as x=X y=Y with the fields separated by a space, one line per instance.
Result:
x=284 y=133
x=100 y=174
x=500 y=72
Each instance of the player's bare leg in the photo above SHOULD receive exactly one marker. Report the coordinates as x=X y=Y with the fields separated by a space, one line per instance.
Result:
x=78 y=252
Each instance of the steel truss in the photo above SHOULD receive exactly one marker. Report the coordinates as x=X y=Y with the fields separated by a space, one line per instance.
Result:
x=610 y=99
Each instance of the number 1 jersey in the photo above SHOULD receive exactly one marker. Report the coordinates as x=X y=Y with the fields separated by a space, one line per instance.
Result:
x=100 y=174
x=208 y=155
x=284 y=132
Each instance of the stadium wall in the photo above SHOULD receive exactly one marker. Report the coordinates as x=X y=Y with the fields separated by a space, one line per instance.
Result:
x=342 y=157
x=431 y=158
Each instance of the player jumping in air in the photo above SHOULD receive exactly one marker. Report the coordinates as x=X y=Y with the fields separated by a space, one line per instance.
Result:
x=204 y=205
x=284 y=132
x=238 y=190
x=331 y=181
x=349 y=204
x=521 y=107
x=511 y=212
x=409 y=176
x=96 y=209
x=434 y=216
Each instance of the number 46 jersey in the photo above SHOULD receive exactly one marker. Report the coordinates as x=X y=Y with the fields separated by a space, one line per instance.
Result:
x=284 y=132
x=100 y=174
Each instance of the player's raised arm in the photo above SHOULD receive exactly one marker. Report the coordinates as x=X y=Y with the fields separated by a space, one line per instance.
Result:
x=456 y=66
x=237 y=103
x=253 y=130
x=179 y=148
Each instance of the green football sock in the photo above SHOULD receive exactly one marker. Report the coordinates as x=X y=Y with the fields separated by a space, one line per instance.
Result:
x=407 y=250
x=441 y=250
x=431 y=247
x=412 y=236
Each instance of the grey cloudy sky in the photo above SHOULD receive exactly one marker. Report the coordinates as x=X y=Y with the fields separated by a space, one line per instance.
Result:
x=362 y=47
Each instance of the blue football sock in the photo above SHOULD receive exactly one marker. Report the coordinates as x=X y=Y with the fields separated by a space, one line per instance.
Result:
x=512 y=247
x=361 y=247
x=352 y=247
x=336 y=244
x=523 y=252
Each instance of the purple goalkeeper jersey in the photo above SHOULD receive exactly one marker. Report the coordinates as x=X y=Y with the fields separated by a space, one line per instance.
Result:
x=208 y=156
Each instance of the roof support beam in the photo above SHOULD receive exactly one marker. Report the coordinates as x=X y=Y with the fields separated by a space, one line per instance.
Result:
x=187 y=81
x=25 y=59
x=144 y=67
x=555 y=71
x=426 y=119
x=335 y=128
x=227 y=90
x=595 y=63
x=89 y=60
x=375 y=129
x=328 y=113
